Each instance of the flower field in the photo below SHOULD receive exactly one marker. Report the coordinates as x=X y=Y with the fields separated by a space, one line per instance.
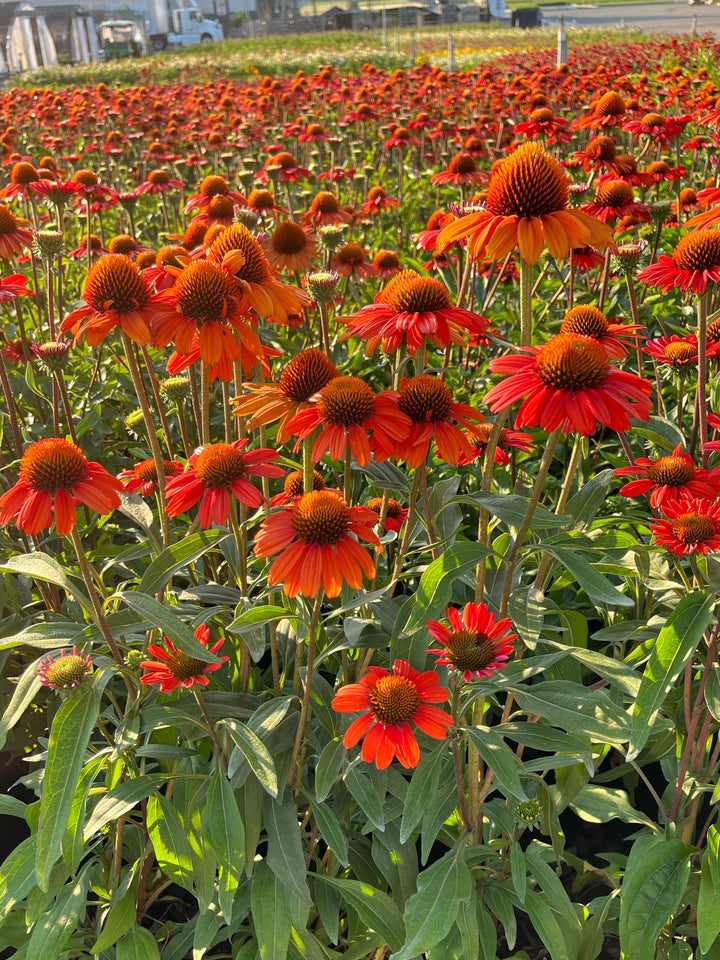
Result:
x=360 y=511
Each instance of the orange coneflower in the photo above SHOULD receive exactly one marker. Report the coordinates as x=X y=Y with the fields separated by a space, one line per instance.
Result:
x=670 y=480
x=387 y=264
x=351 y=260
x=325 y=208
x=608 y=111
x=690 y=527
x=291 y=248
x=128 y=246
x=377 y=200
x=263 y=202
x=588 y=321
x=210 y=188
x=294 y=486
x=172 y=668
x=14 y=235
x=693 y=264
x=314 y=537
x=527 y=207
x=395 y=516
x=21 y=176
x=305 y=375
x=56 y=476
x=116 y=294
x=476 y=644
x=462 y=169
x=392 y=701
x=158 y=181
x=615 y=199
x=508 y=439
x=143 y=477
x=430 y=405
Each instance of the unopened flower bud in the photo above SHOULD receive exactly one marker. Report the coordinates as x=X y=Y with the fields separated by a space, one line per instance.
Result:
x=659 y=212
x=322 y=286
x=626 y=256
x=47 y=244
x=330 y=237
x=54 y=355
x=135 y=423
x=529 y=812
x=175 y=388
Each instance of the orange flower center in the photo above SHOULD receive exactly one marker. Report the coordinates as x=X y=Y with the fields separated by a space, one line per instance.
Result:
x=315 y=130
x=86 y=177
x=66 y=671
x=324 y=202
x=123 y=244
x=473 y=143
x=610 y=105
x=530 y=183
x=351 y=253
x=699 y=250
x=658 y=167
x=462 y=163
x=285 y=160
x=289 y=238
x=671 y=471
x=182 y=667
x=688 y=196
x=393 y=700
x=346 y=401
x=261 y=200
x=651 y=120
x=681 y=352
x=713 y=331
x=569 y=362
x=470 y=650
x=693 y=528
x=614 y=193
x=221 y=207
x=306 y=375
x=376 y=193
x=601 y=148
x=146 y=470
x=386 y=260
x=586 y=321
x=408 y=292
x=115 y=284
x=214 y=186
x=394 y=509
x=295 y=483
x=543 y=115
x=53 y=464
x=158 y=177
x=219 y=465
x=168 y=256
x=320 y=518
x=401 y=133
x=8 y=223
x=426 y=399
x=255 y=268
x=23 y=173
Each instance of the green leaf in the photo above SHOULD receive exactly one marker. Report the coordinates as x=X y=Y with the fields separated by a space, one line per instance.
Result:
x=162 y=617
x=598 y=804
x=137 y=944
x=69 y=737
x=177 y=557
x=580 y=711
x=17 y=875
x=663 y=433
x=431 y=912
x=584 y=504
x=541 y=736
x=655 y=878
x=499 y=758
x=11 y=806
x=26 y=689
x=518 y=870
x=225 y=832
x=170 y=843
x=257 y=616
x=513 y=510
x=374 y=908
x=708 y=915
x=327 y=768
x=363 y=791
x=330 y=830
x=674 y=648
x=40 y=566
x=596 y=586
x=55 y=926
x=546 y=925
x=256 y=754
x=122 y=912
x=421 y=789
x=285 y=854
x=270 y=911
x=527 y=609
x=121 y=799
x=435 y=588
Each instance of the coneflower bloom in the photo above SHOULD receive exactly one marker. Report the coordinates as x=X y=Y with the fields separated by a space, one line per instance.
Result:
x=569 y=384
x=325 y=208
x=427 y=238
x=13 y=286
x=659 y=128
x=608 y=111
x=304 y=376
x=401 y=139
x=56 y=476
x=614 y=199
x=96 y=248
x=237 y=250
x=527 y=207
x=413 y=309
x=65 y=672
x=263 y=203
x=172 y=668
x=351 y=260
x=21 y=176
x=599 y=152
x=142 y=478
x=285 y=166
x=391 y=702
x=544 y=123
x=377 y=201
x=659 y=171
x=395 y=516
x=509 y=440
x=14 y=235
x=387 y=264
x=588 y=321
x=351 y=416
x=670 y=480
x=679 y=352
x=211 y=187
x=313 y=133
x=475 y=644
x=294 y=486
x=203 y=301
x=692 y=526
x=315 y=537
x=461 y=170
x=214 y=473
x=430 y=405
x=158 y=181
x=116 y=294
x=693 y=264
x=291 y=248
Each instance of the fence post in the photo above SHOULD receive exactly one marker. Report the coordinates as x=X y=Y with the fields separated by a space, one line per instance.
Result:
x=561 y=43
x=451 y=55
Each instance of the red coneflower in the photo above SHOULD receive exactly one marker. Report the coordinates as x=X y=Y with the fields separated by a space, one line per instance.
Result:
x=693 y=264
x=347 y=410
x=313 y=537
x=659 y=171
x=392 y=701
x=462 y=169
x=211 y=187
x=569 y=384
x=158 y=181
x=351 y=260
x=291 y=248
x=412 y=309
x=172 y=668
x=306 y=375
x=294 y=486
x=544 y=123
x=214 y=473
x=430 y=405
x=14 y=235
x=396 y=513
x=401 y=139
x=614 y=199
x=609 y=110
x=679 y=352
x=477 y=643
x=285 y=166
x=692 y=526
x=142 y=478
x=659 y=128
x=387 y=264
x=670 y=480
x=377 y=200
x=116 y=294
x=55 y=476
x=21 y=176
x=263 y=202
x=526 y=207
x=509 y=439
x=325 y=208
x=599 y=152
x=13 y=286
x=588 y=321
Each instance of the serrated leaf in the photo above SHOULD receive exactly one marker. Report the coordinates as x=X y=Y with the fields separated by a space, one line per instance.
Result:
x=674 y=648
x=580 y=711
x=160 y=615
x=598 y=804
x=69 y=737
x=40 y=566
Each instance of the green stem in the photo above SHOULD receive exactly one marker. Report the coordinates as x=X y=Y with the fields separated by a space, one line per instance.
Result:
x=305 y=708
x=307 y=446
x=222 y=756
x=526 y=285
x=567 y=486
x=702 y=312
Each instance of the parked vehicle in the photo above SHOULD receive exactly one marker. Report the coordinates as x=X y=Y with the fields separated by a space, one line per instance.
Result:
x=179 y=24
x=122 y=38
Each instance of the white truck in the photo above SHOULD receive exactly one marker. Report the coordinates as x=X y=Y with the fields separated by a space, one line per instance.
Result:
x=178 y=23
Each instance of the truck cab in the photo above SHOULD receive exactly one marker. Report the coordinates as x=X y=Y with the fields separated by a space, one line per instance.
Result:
x=189 y=25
